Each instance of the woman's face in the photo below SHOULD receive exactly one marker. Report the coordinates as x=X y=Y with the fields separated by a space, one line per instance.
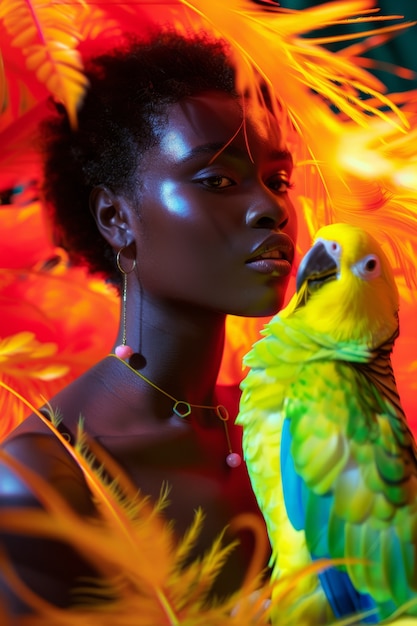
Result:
x=216 y=226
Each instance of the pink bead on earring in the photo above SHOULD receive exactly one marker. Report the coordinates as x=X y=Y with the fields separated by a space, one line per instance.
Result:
x=123 y=351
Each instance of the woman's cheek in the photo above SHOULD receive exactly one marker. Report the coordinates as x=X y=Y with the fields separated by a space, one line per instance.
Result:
x=173 y=202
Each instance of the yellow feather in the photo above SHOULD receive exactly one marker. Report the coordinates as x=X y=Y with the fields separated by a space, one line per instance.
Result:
x=48 y=38
x=30 y=366
x=92 y=24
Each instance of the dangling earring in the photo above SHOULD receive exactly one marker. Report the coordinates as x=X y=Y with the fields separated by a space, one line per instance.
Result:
x=124 y=351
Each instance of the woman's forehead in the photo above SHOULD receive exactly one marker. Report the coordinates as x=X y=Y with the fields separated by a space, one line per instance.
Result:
x=212 y=120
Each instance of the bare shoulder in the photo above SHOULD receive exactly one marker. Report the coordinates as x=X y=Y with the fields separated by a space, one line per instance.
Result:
x=34 y=446
x=45 y=456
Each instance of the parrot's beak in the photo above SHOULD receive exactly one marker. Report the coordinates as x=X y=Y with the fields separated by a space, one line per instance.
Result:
x=316 y=267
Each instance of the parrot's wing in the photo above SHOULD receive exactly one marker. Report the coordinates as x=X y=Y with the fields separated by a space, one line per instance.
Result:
x=354 y=458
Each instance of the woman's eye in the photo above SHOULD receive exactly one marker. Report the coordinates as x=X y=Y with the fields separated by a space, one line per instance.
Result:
x=217 y=182
x=280 y=183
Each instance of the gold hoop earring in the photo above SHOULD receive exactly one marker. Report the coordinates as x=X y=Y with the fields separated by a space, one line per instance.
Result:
x=124 y=351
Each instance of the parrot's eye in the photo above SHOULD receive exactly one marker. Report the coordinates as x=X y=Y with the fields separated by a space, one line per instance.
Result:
x=368 y=268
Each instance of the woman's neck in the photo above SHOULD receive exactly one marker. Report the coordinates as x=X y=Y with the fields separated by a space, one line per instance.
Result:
x=181 y=349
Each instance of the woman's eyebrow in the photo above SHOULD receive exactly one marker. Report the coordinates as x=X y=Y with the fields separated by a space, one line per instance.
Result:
x=212 y=149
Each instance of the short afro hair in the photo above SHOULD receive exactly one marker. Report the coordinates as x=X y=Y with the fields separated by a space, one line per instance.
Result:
x=129 y=93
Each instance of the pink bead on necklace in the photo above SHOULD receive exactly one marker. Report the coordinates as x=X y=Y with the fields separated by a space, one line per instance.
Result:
x=182 y=408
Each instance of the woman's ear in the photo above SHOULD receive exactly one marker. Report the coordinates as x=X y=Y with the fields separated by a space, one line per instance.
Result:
x=111 y=213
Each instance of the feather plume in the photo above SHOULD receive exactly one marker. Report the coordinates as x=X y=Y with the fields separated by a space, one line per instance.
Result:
x=47 y=36
x=39 y=360
x=304 y=64
x=32 y=367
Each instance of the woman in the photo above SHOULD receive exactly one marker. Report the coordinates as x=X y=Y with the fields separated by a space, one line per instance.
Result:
x=171 y=188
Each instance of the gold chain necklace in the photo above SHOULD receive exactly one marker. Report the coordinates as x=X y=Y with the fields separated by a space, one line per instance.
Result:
x=182 y=409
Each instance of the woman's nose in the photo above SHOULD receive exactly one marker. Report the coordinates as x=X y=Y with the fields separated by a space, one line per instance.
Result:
x=269 y=213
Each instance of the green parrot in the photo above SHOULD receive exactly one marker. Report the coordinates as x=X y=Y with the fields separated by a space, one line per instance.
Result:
x=330 y=455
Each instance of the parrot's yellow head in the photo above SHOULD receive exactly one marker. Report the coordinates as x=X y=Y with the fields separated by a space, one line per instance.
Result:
x=346 y=287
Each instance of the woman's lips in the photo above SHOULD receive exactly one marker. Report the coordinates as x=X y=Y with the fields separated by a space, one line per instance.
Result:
x=273 y=256
x=277 y=266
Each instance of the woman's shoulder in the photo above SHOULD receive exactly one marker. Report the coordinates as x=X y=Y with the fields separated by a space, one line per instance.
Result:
x=95 y=399
x=34 y=446
x=82 y=398
x=40 y=455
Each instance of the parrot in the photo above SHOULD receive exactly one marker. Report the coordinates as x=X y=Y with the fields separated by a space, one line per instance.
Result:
x=330 y=456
